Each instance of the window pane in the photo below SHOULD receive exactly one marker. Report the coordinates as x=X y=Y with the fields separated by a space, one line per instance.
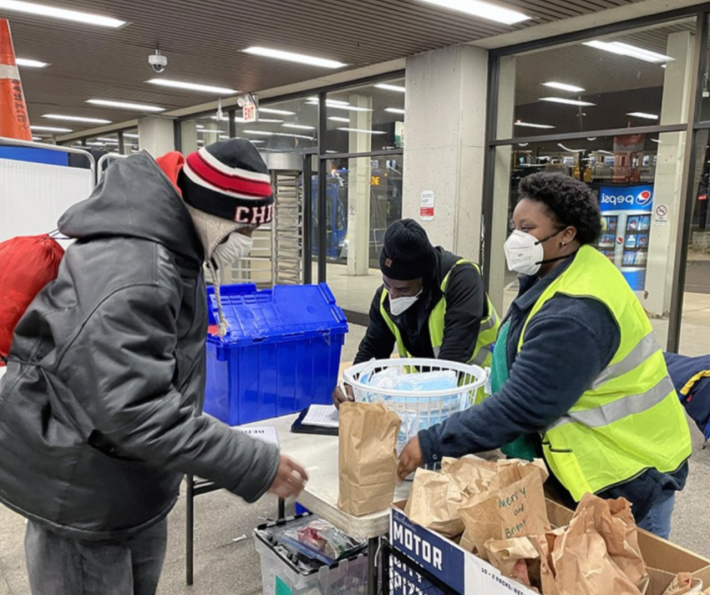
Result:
x=106 y=142
x=367 y=118
x=630 y=79
x=636 y=178
x=283 y=126
x=130 y=141
x=363 y=197
x=696 y=301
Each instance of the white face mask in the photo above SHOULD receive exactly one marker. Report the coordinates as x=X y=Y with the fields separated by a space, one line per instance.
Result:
x=400 y=305
x=235 y=247
x=524 y=253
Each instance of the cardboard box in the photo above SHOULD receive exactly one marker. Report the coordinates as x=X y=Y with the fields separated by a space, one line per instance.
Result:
x=469 y=575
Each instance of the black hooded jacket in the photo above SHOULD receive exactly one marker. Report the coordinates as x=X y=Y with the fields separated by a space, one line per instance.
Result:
x=100 y=408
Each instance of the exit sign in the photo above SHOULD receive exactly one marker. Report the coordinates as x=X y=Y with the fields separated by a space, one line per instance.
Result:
x=250 y=113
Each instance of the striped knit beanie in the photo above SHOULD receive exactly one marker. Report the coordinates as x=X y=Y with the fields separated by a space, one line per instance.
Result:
x=229 y=179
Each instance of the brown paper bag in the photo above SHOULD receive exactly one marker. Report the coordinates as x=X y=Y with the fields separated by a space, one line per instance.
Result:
x=544 y=544
x=466 y=543
x=515 y=507
x=681 y=584
x=516 y=558
x=512 y=470
x=433 y=503
x=472 y=475
x=599 y=554
x=368 y=457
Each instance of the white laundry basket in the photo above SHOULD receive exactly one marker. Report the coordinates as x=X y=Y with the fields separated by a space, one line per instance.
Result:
x=418 y=409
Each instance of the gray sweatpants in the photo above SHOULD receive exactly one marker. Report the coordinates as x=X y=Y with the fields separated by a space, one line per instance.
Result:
x=59 y=565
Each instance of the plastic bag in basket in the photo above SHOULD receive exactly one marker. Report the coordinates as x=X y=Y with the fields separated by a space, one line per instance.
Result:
x=417 y=412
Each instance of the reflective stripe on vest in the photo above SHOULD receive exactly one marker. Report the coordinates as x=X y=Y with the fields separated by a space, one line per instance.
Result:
x=630 y=419
x=487 y=334
x=616 y=410
x=643 y=350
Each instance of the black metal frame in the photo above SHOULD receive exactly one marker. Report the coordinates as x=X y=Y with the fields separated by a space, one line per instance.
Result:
x=196 y=487
x=702 y=13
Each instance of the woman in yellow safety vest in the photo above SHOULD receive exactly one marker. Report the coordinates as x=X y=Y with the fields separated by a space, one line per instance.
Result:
x=578 y=376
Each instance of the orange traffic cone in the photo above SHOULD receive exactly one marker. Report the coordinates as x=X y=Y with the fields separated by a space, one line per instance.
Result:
x=14 y=121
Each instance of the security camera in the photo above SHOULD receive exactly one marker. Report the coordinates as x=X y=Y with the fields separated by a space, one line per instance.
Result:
x=158 y=62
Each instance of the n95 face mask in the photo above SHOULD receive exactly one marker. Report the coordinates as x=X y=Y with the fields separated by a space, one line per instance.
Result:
x=524 y=253
x=400 y=305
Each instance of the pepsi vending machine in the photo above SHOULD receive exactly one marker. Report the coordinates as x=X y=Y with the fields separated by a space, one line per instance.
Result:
x=626 y=223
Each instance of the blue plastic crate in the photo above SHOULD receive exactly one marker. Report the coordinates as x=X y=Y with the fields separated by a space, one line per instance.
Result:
x=281 y=353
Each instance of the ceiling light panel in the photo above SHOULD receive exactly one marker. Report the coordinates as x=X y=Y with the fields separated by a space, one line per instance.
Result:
x=643 y=115
x=388 y=87
x=276 y=112
x=566 y=101
x=60 y=13
x=351 y=108
x=632 y=51
x=299 y=126
x=394 y=110
x=192 y=86
x=564 y=87
x=124 y=105
x=533 y=125
x=76 y=119
x=482 y=10
x=293 y=57
x=338 y=119
x=240 y=120
x=27 y=63
x=362 y=130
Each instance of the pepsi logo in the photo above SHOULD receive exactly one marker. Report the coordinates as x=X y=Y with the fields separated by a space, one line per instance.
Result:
x=643 y=198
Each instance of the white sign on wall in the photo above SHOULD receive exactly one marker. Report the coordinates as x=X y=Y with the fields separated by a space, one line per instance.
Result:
x=660 y=215
x=426 y=207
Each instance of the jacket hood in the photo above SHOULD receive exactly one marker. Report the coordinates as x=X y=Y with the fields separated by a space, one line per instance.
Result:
x=135 y=199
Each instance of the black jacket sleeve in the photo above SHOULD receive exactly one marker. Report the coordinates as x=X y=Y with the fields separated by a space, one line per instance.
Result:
x=378 y=342
x=124 y=367
x=465 y=307
x=567 y=345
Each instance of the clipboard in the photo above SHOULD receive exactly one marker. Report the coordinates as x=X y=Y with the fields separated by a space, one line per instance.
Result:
x=299 y=428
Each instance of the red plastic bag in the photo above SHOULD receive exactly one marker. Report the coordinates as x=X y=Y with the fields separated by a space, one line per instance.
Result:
x=27 y=264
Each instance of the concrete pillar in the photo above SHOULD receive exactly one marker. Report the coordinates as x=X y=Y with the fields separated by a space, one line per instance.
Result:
x=359 y=188
x=445 y=147
x=501 y=190
x=188 y=136
x=669 y=175
x=156 y=135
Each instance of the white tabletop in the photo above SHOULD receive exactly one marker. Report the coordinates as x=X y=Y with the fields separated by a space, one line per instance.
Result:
x=319 y=455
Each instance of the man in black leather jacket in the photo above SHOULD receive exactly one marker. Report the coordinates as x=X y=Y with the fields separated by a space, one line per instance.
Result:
x=100 y=408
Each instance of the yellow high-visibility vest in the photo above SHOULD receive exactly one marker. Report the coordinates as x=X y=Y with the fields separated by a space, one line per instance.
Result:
x=630 y=419
x=487 y=334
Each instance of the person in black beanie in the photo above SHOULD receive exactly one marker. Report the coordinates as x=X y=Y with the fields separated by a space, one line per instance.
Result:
x=432 y=304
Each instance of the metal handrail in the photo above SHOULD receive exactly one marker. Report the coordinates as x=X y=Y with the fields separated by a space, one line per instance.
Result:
x=35 y=145
x=102 y=160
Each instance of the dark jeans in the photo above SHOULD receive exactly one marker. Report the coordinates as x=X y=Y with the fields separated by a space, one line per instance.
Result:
x=59 y=565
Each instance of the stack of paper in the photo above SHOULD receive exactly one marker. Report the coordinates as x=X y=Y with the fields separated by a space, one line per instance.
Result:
x=322 y=416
